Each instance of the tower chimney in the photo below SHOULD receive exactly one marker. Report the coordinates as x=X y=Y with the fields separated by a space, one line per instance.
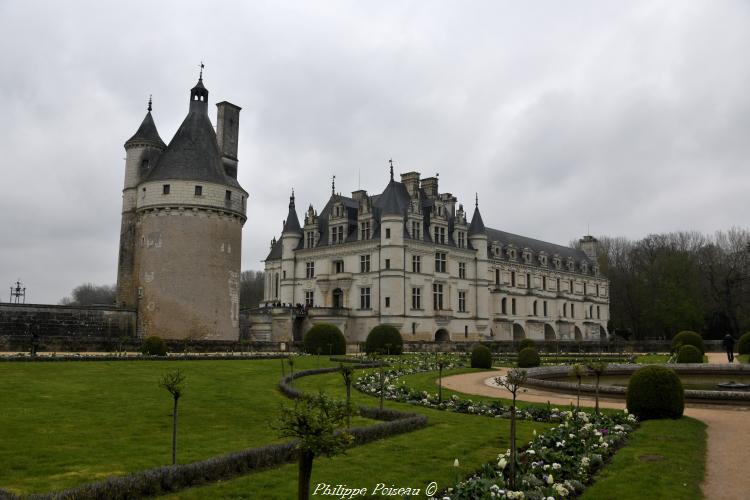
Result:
x=227 y=135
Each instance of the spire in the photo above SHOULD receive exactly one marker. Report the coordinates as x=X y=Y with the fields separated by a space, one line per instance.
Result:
x=477 y=225
x=391 y=162
x=333 y=185
x=147 y=132
x=291 y=225
x=199 y=94
x=149 y=103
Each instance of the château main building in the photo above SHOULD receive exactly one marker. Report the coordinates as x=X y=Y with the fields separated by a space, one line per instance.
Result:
x=410 y=257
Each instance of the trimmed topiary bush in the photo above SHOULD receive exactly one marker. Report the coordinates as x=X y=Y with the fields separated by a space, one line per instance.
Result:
x=689 y=354
x=655 y=392
x=481 y=357
x=743 y=346
x=154 y=346
x=384 y=339
x=687 y=337
x=528 y=358
x=526 y=343
x=325 y=339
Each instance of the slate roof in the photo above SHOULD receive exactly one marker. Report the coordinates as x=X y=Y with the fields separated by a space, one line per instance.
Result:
x=477 y=224
x=292 y=222
x=536 y=246
x=147 y=133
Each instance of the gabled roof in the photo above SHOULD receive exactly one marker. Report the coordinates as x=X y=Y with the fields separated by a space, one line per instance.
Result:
x=147 y=133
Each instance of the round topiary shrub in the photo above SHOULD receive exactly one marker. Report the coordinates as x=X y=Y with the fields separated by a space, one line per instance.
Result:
x=154 y=346
x=688 y=338
x=689 y=354
x=526 y=343
x=528 y=358
x=384 y=339
x=481 y=357
x=325 y=339
x=655 y=392
x=743 y=346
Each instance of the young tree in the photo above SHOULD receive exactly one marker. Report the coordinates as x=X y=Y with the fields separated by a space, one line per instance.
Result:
x=440 y=361
x=290 y=360
x=578 y=371
x=512 y=381
x=174 y=383
x=313 y=421
x=597 y=368
x=348 y=372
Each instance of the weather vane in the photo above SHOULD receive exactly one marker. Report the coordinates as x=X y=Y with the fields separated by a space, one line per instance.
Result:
x=201 y=75
x=333 y=185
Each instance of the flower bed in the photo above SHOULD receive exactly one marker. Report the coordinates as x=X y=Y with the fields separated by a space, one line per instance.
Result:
x=396 y=390
x=557 y=464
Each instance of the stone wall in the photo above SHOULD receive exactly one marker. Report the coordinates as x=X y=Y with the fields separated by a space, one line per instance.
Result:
x=55 y=321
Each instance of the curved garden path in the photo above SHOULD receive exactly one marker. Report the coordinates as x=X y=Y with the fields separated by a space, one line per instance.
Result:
x=727 y=428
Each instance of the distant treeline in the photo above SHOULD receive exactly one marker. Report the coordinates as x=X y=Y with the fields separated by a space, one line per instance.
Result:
x=665 y=283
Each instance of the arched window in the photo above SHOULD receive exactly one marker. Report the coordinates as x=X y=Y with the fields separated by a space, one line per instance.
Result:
x=504 y=305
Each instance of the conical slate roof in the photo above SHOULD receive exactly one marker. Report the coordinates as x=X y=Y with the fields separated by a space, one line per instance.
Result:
x=477 y=224
x=193 y=154
x=147 y=133
x=292 y=222
x=394 y=200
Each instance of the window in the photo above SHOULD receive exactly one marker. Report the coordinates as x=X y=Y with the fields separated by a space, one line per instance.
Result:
x=310 y=239
x=545 y=308
x=462 y=302
x=565 y=310
x=461 y=239
x=228 y=196
x=572 y=310
x=598 y=313
x=364 y=231
x=413 y=328
x=440 y=259
x=504 y=306
x=364 y=298
x=597 y=289
x=387 y=263
x=544 y=282
x=497 y=276
x=388 y=232
x=528 y=280
x=462 y=270
x=283 y=274
x=364 y=263
x=276 y=285
x=585 y=288
x=337 y=234
x=416 y=298
x=440 y=235
x=571 y=286
x=387 y=302
x=437 y=296
x=466 y=331
x=310 y=269
x=309 y=294
x=513 y=306
x=533 y=309
x=512 y=278
x=416 y=230
x=339 y=266
x=165 y=189
x=416 y=264
x=198 y=190
x=558 y=284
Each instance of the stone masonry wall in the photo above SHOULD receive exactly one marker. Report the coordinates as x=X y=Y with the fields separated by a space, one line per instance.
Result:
x=51 y=320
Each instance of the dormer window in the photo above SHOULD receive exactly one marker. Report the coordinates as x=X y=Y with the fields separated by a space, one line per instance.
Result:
x=364 y=230
x=461 y=239
x=571 y=265
x=527 y=257
x=584 y=267
x=440 y=235
x=556 y=261
x=416 y=230
x=310 y=239
x=337 y=234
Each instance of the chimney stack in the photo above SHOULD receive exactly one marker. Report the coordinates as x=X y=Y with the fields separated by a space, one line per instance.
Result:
x=227 y=135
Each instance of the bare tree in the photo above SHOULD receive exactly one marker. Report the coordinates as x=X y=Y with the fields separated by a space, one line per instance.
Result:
x=347 y=372
x=89 y=294
x=512 y=381
x=578 y=371
x=174 y=383
x=597 y=368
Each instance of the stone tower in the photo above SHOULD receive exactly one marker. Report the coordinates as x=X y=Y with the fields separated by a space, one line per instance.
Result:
x=181 y=236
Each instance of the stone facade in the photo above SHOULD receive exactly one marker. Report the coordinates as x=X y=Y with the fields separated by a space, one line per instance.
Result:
x=408 y=257
x=182 y=217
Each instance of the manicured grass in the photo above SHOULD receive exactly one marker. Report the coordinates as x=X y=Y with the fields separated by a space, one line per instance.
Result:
x=645 y=359
x=67 y=423
x=409 y=460
x=663 y=459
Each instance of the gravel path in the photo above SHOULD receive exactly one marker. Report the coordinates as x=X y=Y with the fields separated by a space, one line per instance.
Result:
x=728 y=426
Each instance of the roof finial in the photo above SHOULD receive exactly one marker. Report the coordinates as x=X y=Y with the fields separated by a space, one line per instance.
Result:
x=391 y=162
x=200 y=77
x=333 y=185
x=476 y=200
x=149 y=102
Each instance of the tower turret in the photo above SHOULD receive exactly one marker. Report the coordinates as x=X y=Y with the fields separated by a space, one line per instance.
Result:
x=142 y=151
x=199 y=96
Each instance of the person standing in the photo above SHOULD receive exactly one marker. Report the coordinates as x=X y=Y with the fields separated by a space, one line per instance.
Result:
x=729 y=346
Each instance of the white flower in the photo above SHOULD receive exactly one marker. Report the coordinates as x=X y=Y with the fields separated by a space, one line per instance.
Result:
x=556 y=466
x=546 y=467
x=560 y=444
x=455 y=463
x=534 y=432
x=530 y=452
x=550 y=479
x=502 y=463
x=560 y=489
x=585 y=461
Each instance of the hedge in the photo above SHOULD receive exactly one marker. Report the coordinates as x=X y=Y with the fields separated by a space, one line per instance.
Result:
x=384 y=339
x=743 y=346
x=481 y=357
x=687 y=337
x=325 y=338
x=655 y=392
x=689 y=354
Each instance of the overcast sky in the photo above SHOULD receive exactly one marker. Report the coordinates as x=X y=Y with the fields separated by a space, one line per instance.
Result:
x=626 y=117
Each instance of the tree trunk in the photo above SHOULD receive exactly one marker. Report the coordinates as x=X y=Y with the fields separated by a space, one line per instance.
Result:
x=513 y=443
x=348 y=404
x=174 y=433
x=440 y=384
x=305 y=474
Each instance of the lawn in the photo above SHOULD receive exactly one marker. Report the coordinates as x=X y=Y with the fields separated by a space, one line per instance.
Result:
x=66 y=423
x=409 y=460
